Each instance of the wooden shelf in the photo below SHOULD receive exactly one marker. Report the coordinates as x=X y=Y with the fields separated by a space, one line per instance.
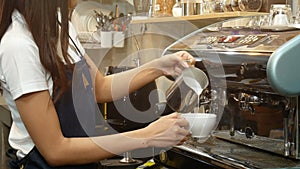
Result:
x=216 y=16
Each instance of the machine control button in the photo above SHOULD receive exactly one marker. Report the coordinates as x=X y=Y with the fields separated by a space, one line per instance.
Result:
x=249 y=132
x=163 y=156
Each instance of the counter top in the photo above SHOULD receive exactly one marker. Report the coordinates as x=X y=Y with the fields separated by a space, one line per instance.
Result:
x=196 y=17
x=218 y=153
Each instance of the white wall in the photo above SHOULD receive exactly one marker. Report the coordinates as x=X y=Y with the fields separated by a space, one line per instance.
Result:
x=125 y=6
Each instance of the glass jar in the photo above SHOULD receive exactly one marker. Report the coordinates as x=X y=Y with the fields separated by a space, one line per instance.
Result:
x=177 y=9
x=227 y=6
x=162 y=7
x=280 y=14
x=250 y=5
x=235 y=5
x=141 y=6
x=216 y=5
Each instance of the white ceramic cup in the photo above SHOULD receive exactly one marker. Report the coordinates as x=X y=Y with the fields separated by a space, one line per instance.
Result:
x=118 y=39
x=280 y=19
x=280 y=14
x=106 y=39
x=201 y=124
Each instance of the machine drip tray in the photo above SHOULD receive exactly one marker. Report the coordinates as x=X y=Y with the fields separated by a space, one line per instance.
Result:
x=263 y=143
x=219 y=153
x=116 y=164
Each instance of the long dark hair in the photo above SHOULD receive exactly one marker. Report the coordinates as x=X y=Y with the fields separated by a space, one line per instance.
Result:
x=42 y=19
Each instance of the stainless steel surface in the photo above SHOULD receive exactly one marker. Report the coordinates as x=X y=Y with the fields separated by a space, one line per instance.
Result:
x=183 y=95
x=127 y=158
x=256 y=116
x=269 y=144
x=219 y=153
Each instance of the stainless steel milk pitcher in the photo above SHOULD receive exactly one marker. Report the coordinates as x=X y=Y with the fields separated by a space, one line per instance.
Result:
x=182 y=96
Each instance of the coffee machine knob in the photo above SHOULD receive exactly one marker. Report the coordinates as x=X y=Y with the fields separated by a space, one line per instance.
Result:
x=249 y=133
x=163 y=156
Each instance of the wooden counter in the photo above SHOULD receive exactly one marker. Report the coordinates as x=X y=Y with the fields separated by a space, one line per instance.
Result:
x=211 y=16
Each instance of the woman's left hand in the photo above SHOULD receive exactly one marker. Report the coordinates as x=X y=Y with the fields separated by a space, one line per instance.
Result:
x=173 y=64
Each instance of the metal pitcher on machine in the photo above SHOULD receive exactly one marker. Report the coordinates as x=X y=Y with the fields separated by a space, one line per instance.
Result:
x=184 y=94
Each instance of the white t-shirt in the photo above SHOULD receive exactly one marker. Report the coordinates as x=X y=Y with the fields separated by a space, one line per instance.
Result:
x=21 y=72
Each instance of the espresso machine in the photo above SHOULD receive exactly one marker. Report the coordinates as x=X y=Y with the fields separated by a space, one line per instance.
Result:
x=253 y=89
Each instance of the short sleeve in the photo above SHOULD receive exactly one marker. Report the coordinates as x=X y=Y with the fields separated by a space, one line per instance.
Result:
x=21 y=69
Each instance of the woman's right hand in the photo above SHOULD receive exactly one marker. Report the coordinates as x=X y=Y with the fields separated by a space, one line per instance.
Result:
x=169 y=130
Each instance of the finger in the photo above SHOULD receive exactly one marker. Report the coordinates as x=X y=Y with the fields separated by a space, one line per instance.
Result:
x=183 y=140
x=179 y=60
x=182 y=122
x=177 y=70
x=188 y=58
x=183 y=63
x=174 y=115
x=181 y=132
x=181 y=135
x=185 y=55
x=180 y=143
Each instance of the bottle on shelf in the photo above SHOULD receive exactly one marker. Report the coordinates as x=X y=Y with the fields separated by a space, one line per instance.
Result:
x=250 y=5
x=227 y=6
x=235 y=5
x=177 y=9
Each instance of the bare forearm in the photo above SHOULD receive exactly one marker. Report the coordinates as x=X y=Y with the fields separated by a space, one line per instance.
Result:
x=86 y=150
x=171 y=131
x=59 y=150
x=120 y=84
x=126 y=82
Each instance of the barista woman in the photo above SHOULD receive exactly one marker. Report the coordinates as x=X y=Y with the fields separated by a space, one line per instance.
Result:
x=39 y=57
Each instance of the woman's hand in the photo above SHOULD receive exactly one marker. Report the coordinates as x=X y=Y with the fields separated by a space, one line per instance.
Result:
x=167 y=131
x=173 y=64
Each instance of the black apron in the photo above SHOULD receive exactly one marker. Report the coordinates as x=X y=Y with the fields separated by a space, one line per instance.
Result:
x=76 y=103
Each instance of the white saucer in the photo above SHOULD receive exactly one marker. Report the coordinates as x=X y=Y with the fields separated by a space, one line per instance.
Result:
x=277 y=27
x=295 y=26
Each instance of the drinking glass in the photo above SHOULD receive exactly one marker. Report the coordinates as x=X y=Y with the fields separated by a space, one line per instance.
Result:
x=297 y=15
x=141 y=7
x=280 y=14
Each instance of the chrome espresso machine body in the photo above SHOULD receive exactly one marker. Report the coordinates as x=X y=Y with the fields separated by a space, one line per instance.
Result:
x=258 y=127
